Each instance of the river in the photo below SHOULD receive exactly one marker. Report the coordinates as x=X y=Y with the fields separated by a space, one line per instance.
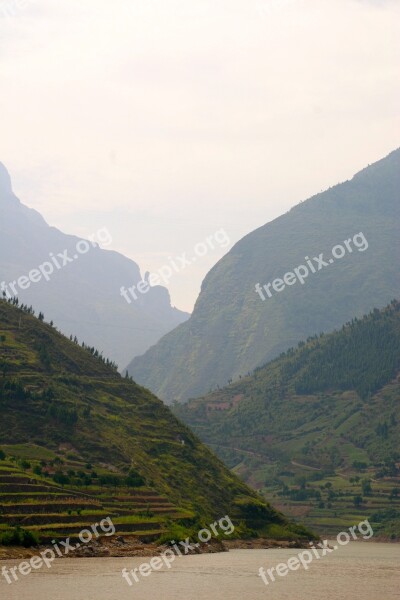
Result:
x=364 y=571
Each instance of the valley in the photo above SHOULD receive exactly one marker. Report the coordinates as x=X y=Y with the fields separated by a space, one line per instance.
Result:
x=317 y=430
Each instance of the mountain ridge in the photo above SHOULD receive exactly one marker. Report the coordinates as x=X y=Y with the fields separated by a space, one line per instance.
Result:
x=80 y=422
x=231 y=331
x=102 y=317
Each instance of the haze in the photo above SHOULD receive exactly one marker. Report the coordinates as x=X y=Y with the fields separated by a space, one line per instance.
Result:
x=167 y=121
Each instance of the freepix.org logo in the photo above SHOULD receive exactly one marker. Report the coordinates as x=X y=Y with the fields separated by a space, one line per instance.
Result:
x=175 y=265
x=306 y=557
x=58 y=550
x=55 y=263
x=178 y=549
x=311 y=266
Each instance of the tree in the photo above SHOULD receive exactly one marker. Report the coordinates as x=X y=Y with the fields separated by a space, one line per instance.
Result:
x=366 y=487
x=61 y=478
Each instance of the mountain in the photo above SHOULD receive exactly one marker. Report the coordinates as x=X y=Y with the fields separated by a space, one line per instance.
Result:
x=75 y=434
x=81 y=295
x=326 y=412
x=234 y=328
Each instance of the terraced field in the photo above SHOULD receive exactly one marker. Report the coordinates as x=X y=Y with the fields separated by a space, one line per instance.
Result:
x=78 y=442
x=317 y=430
x=35 y=503
x=330 y=503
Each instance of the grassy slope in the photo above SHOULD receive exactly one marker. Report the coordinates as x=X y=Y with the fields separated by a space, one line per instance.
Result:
x=325 y=414
x=231 y=331
x=64 y=407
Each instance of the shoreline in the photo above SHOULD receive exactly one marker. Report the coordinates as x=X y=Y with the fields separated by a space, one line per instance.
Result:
x=124 y=546
x=121 y=546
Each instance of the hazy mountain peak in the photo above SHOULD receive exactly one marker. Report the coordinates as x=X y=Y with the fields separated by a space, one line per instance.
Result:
x=5 y=180
x=102 y=317
x=233 y=329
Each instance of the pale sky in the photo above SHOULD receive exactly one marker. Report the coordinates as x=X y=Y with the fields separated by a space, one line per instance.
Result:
x=166 y=120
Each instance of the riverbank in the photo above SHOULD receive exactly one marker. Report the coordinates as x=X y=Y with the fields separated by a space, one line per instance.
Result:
x=353 y=572
x=120 y=546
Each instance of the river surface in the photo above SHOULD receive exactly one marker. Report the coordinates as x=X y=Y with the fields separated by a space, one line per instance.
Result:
x=364 y=571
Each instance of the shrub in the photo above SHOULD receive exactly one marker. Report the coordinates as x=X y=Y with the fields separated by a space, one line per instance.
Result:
x=61 y=478
x=134 y=479
x=19 y=537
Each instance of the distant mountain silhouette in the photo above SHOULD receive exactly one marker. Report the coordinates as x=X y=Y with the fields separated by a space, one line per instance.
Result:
x=83 y=297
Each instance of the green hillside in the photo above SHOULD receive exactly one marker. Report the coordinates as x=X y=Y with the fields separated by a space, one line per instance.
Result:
x=232 y=330
x=317 y=430
x=78 y=441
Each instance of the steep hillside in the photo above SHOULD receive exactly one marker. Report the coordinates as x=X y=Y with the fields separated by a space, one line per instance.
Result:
x=102 y=316
x=233 y=330
x=77 y=435
x=317 y=423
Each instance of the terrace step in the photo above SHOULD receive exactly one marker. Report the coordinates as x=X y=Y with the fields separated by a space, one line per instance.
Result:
x=141 y=493
x=48 y=508
x=137 y=511
x=143 y=536
x=17 y=478
x=70 y=529
x=136 y=502
x=15 y=497
x=26 y=488
x=140 y=498
x=44 y=519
